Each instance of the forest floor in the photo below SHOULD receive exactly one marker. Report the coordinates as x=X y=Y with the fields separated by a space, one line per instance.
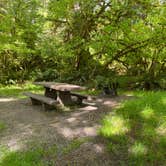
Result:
x=66 y=138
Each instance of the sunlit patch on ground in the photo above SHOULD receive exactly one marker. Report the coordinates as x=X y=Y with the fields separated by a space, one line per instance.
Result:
x=161 y=130
x=7 y=99
x=114 y=125
x=147 y=112
x=138 y=149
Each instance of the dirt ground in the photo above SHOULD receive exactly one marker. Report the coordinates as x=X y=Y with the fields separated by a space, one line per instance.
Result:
x=27 y=123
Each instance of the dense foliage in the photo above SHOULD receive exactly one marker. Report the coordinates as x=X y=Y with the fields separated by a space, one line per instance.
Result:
x=83 y=40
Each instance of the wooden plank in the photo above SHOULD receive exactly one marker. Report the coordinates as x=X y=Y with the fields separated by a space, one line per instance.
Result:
x=60 y=86
x=41 y=98
x=79 y=95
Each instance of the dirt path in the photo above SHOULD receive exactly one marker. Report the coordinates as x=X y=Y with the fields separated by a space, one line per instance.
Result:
x=29 y=123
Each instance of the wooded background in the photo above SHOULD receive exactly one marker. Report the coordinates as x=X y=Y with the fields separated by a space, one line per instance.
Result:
x=84 y=42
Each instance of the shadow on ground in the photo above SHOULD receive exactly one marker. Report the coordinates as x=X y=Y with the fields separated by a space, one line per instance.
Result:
x=26 y=123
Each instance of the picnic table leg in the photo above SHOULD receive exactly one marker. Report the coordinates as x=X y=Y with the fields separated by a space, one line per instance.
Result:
x=35 y=102
x=51 y=93
x=65 y=98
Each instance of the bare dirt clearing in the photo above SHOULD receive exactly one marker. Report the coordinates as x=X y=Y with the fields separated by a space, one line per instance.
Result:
x=27 y=123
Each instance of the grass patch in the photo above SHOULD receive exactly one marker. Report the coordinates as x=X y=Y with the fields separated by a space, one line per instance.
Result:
x=32 y=157
x=37 y=154
x=2 y=126
x=136 y=131
x=17 y=90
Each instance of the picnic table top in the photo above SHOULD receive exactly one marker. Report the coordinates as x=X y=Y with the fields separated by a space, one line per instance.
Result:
x=60 y=86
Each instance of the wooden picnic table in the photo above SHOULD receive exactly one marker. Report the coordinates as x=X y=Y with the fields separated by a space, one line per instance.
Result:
x=62 y=92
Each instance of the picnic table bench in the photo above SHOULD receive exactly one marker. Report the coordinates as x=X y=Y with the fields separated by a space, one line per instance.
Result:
x=46 y=102
x=56 y=93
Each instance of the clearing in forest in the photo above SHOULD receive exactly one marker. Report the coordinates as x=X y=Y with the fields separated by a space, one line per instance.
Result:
x=56 y=137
